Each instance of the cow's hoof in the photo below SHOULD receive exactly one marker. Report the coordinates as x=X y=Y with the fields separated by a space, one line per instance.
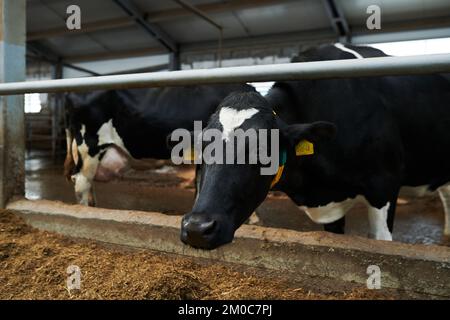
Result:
x=92 y=202
x=381 y=236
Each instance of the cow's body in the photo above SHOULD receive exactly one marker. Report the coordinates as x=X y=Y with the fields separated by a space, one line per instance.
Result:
x=107 y=128
x=391 y=132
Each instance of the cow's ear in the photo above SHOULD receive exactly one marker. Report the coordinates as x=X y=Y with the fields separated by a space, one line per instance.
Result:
x=314 y=132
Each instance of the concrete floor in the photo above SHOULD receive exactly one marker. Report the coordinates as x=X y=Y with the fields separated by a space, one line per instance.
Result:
x=168 y=190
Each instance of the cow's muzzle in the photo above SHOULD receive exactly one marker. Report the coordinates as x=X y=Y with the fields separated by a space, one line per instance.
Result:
x=200 y=231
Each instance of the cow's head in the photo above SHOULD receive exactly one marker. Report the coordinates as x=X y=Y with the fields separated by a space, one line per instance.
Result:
x=229 y=193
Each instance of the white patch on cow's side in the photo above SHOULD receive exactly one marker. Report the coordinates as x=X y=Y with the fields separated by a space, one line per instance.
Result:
x=231 y=119
x=340 y=46
x=330 y=212
x=378 y=228
x=107 y=134
x=444 y=193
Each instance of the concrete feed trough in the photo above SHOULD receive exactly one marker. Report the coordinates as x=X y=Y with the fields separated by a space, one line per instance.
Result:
x=415 y=268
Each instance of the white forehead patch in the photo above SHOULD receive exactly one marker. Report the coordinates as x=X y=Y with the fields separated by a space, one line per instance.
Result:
x=340 y=46
x=232 y=119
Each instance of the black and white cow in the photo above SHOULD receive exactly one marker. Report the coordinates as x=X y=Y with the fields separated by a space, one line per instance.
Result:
x=370 y=137
x=106 y=128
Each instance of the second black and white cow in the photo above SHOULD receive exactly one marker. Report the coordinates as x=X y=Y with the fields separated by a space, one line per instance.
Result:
x=370 y=137
x=106 y=128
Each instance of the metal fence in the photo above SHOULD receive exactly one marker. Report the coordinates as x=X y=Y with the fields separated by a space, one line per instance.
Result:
x=425 y=64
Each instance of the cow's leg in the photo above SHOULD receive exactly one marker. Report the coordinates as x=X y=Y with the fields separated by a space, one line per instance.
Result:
x=444 y=194
x=337 y=226
x=381 y=203
x=84 y=189
x=378 y=223
x=381 y=218
x=391 y=213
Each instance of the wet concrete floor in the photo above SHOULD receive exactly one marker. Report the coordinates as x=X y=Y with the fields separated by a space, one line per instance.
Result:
x=169 y=190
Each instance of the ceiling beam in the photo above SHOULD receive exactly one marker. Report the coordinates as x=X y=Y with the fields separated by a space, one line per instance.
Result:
x=204 y=16
x=263 y=42
x=116 y=54
x=153 y=17
x=155 y=68
x=337 y=19
x=211 y=46
x=40 y=52
x=213 y=8
x=73 y=67
x=152 y=29
x=274 y=40
x=199 y=13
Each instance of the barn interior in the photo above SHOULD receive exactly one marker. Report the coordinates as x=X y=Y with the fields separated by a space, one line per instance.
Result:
x=124 y=36
x=129 y=247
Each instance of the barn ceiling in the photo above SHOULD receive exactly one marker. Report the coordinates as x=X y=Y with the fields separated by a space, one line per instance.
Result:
x=109 y=31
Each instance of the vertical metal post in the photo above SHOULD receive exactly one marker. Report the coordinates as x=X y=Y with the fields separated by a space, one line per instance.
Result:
x=12 y=124
x=174 y=61
x=56 y=112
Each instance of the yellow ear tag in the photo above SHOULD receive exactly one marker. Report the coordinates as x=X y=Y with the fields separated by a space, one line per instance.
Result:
x=304 y=148
x=189 y=155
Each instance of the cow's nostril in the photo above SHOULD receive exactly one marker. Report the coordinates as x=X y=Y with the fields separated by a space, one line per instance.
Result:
x=199 y=229
x=208 y=227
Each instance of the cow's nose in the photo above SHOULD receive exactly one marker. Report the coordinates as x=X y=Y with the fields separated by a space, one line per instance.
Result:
x=199 y=228
x=195 y=232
